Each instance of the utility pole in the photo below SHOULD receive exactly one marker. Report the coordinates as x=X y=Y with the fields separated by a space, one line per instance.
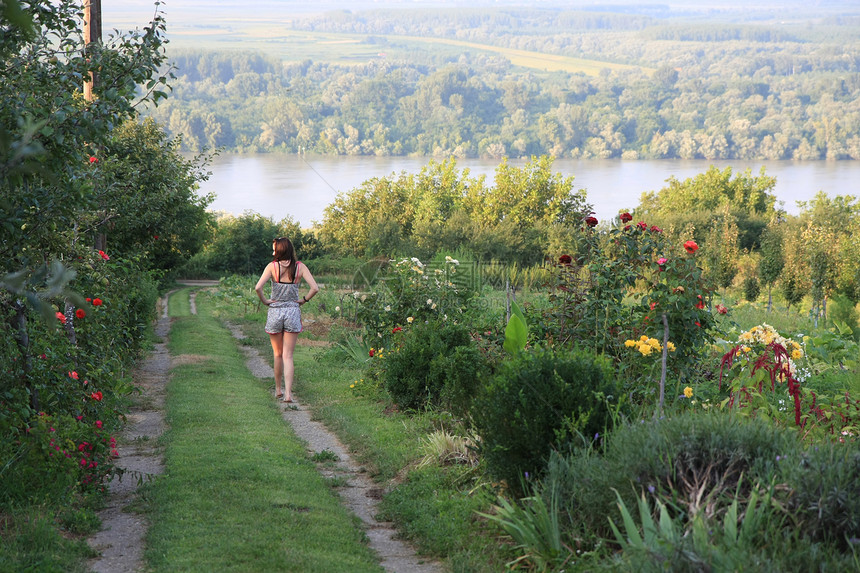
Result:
x=92 y=34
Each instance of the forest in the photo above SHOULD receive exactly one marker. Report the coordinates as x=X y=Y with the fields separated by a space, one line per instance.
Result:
x=470 y=83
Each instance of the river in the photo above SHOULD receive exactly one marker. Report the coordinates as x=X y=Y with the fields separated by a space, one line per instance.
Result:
x=280 y=185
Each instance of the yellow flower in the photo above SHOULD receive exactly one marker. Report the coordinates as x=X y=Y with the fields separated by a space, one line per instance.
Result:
x=629 y=343
x=688 y=392
x=654 y=343
x=745 y=349
x=409 y=319
x=671 y=346
x=797 y=354
x=644 y=349
x=643 y=338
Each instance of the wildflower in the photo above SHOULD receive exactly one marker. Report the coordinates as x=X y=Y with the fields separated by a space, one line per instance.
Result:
x=80 y=313
x=387 y=308
x=688 y=392
x=409 y=319
x=337 y=309
x=429 y=301
x=691 y=247
x=97 y=302
x=103 y=255
x=591 y=221
x=625 y=217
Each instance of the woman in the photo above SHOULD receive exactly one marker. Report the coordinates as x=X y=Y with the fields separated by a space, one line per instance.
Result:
x=284 y=321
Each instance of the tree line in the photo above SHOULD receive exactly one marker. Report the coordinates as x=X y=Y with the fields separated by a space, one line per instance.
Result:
x=720 y=91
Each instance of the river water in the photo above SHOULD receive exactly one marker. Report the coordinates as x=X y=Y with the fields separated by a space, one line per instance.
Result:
x=280 y=185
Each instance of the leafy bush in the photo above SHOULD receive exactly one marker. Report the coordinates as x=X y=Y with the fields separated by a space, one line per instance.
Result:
x=433 y=363
x=751 y=289
x=538 y=401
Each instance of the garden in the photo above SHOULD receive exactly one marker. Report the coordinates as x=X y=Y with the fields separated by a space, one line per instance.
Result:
x=612 y=407
x=675 y=388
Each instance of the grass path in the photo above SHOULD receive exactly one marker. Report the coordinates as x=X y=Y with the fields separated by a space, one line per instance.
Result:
x=239 y=491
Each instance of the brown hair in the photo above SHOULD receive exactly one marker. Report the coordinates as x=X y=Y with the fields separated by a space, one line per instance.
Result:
x=284 y=251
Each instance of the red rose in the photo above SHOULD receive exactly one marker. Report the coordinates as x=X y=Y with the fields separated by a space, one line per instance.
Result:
x=656 y=229
x=103 y=255
x=73 y=375
x=591 y=221
x=97 y=302
x=625 y=217
x=80 y=313
x=61 y=317
x=89 y=299
x=396 y=329
x=565 y=259
x=701 y=303
x=691 y=247
x=372 y=352
x=626 y=227
x=721 y=309
x=642 y=225
x=99 y=424
x=97 y=396
x=94 y=159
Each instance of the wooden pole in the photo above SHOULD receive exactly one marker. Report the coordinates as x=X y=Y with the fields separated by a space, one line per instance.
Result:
x=92 y=34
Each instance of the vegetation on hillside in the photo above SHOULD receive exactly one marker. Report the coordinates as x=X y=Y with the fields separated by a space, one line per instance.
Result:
x=689 y=90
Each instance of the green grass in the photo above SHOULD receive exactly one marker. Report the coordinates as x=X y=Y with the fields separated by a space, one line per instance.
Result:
x=33 y=542
x=239 y=491
x=432 y=507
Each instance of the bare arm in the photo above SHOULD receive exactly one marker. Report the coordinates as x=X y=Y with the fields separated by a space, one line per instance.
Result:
x=306 y=275
x=264 y=278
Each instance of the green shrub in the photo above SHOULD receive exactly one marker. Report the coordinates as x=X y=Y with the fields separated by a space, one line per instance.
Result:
x=751 y=289
x=692 y=459
x=541 y=400
x=842 y=310
x=824 y=482
x=433 y=363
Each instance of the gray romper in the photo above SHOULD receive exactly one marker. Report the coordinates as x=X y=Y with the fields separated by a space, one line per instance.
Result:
x=284 y=312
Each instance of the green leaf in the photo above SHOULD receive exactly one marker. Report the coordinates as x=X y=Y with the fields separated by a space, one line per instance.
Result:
x=516 y=335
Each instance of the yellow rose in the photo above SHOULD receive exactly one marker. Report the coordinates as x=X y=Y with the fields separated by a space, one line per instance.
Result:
x=629 y=343
x=688 y=392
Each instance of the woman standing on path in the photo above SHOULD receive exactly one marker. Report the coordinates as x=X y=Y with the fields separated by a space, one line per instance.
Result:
x=284 y=321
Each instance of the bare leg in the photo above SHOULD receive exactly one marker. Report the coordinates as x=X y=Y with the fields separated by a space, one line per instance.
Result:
x=278 y=351
x=289 y=345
